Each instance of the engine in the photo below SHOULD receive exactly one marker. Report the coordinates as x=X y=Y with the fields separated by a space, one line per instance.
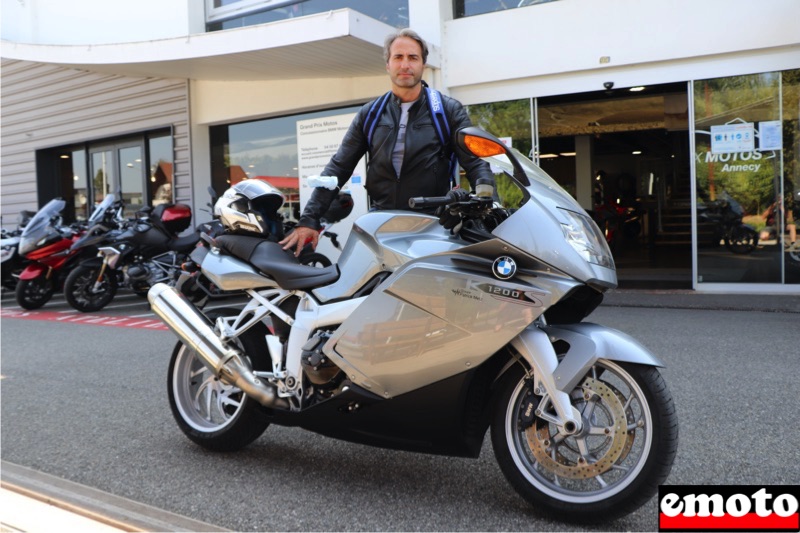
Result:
x=142 y=276
x=319 y=370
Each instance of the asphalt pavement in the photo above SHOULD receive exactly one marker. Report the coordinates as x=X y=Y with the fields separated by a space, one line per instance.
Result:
x=32 y=493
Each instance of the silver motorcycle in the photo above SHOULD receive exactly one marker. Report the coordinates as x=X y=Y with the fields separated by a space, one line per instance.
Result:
x=422 y=339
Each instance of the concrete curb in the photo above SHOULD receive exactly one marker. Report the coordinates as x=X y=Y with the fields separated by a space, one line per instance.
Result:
x=689 y=299
x=114 y=511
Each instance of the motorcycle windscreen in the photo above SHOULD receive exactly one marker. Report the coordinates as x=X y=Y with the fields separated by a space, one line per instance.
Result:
x=428 y=322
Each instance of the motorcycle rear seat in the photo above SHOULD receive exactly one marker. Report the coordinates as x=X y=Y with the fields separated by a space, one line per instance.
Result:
x=185 y=244
x=271 y=259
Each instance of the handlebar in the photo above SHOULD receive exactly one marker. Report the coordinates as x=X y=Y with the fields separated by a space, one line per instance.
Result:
x=427 y=202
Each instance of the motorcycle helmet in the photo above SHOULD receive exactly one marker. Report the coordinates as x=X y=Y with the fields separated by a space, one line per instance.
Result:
x=250 y=207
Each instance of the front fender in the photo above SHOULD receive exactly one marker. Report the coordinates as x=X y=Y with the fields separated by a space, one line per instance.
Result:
x=32 y=271
x=589 y=342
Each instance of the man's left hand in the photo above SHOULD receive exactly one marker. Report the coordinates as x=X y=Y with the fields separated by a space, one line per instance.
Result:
x=449 y=217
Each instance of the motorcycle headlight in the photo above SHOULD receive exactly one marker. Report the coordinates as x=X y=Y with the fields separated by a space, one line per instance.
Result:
x=585 y=237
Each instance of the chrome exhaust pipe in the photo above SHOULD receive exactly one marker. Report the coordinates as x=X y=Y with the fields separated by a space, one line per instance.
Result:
x=195 y=331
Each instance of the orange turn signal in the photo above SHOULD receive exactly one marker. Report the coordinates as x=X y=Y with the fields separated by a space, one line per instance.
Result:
x=483 y=147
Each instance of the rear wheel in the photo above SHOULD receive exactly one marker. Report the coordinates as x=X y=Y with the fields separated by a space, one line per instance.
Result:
x=83 y=291
x=611 y=467
x=314 y=259
x=34 y=293
x=215 y=415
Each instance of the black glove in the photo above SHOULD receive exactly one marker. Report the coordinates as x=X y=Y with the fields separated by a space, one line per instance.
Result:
x=448 y=217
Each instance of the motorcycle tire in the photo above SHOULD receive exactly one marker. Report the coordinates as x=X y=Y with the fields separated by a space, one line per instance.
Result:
x=613 y=466
x=217 y=416
x=741 y=240
x=34 y=293
x=81 y=293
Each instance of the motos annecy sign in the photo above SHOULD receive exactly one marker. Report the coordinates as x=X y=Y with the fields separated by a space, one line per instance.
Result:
x=733 y=144
x=736 y=162
x=728 y=508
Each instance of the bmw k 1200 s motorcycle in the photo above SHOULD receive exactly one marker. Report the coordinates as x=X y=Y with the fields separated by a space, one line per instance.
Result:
x=421 y=340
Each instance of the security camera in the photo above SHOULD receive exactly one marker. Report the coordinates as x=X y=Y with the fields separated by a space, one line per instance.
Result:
x=608 y=85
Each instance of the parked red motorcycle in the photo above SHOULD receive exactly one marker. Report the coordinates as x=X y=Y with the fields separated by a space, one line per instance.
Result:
x=46 y=242
x=619 y=224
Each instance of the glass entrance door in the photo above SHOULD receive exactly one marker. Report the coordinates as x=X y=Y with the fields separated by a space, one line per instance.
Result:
x=624 y=154
x=748 y=178
x=104 y=174
x=119 y=168
x=132 y=172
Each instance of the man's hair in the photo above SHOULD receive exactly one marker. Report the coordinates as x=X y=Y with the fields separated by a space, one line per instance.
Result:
x=405 y=32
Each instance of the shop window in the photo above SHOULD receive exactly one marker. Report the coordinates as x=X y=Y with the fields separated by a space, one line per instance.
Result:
x=747 y=176
x=468 y=8
x=262 y=149
x=227 y=14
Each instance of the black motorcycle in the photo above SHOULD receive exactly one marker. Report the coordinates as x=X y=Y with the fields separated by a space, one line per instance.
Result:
x=725 y=217
x=144 y=252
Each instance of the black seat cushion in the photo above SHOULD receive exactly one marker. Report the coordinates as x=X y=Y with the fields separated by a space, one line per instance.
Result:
x=279 y=264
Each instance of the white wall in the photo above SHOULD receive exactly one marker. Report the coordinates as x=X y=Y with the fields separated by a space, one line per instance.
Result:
x=99 y=21
x=556 y=48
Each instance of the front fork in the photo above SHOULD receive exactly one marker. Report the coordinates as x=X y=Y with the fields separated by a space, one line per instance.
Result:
x=555 y=379
x=535 y=347
x=98 y=283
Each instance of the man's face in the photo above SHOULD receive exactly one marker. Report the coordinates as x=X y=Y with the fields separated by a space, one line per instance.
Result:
x=405 y=64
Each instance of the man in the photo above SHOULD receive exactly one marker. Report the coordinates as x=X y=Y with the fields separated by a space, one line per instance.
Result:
x=407 y=158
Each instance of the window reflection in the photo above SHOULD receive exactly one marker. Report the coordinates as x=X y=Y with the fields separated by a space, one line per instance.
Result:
x=131 y=170
x=747 y=178
x=262 y=149
x=159 y=179
x=392 y=12
x=80 y=186
x=468 y=8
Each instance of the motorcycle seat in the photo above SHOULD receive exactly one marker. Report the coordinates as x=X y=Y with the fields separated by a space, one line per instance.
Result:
x=184 y=244
x=271 y=259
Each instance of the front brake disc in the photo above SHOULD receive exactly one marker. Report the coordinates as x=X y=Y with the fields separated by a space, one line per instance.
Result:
x=547 y=453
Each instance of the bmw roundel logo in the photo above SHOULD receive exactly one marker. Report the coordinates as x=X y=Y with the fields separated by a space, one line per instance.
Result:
x=504 y=267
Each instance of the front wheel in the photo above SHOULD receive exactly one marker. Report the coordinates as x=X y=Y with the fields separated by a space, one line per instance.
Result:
x=741 y=240
x=34 y=293
x=215 y=415
x=85 y=293
x=611 y=467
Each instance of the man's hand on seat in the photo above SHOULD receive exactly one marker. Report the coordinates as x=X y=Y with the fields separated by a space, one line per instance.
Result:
x=298 y=238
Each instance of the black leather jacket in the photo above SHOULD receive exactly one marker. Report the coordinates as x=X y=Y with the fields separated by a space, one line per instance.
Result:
x=425 y=170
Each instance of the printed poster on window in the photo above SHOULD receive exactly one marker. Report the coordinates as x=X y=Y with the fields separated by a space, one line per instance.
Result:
x=732 y=138
x=317 y=141
x=770 y=135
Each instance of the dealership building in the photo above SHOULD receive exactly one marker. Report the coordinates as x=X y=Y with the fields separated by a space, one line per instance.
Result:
x=675 y=123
